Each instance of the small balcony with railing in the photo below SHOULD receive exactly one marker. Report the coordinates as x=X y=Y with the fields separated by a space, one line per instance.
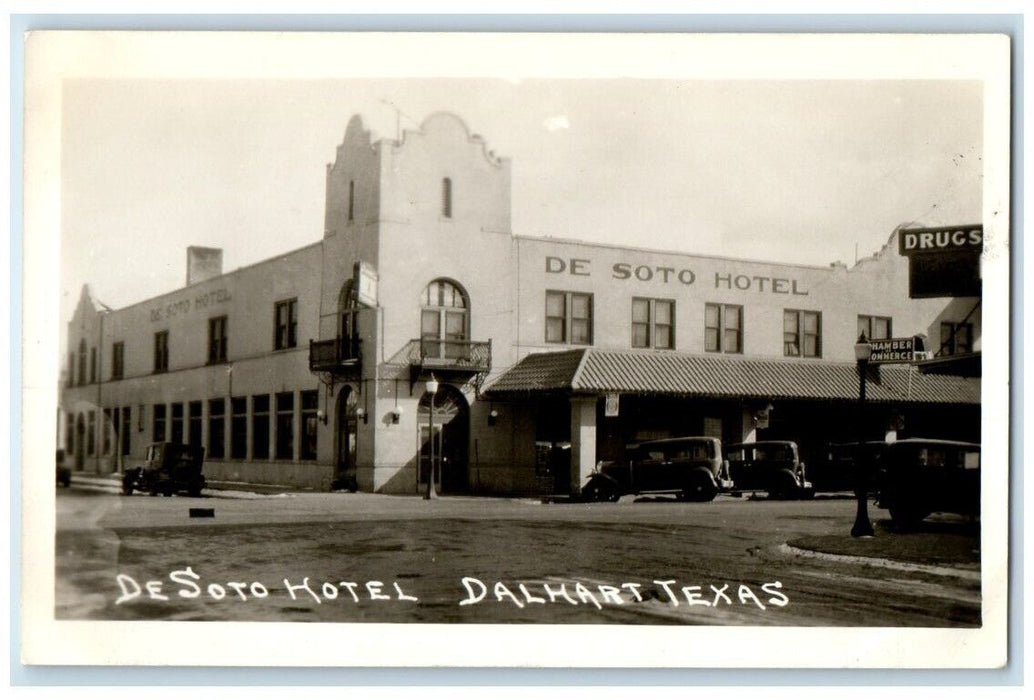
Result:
x=337 y=356
x=451 y=359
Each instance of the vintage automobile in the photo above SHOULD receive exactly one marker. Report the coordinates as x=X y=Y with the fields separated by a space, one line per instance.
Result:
x=690 y=467
x=772 y=466
x=169 y=468
x=917 y=477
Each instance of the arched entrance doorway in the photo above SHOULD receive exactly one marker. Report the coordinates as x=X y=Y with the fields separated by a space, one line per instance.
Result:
x=451 y=438
x=80 y=443
x=345 y=434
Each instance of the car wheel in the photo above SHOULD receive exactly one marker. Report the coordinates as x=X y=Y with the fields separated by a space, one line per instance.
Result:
x=700 y=489
x=783 y=487
x=906 y=517
x=597 y=492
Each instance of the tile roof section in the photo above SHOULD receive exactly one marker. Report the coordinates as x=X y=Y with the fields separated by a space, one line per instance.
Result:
x=591 y=370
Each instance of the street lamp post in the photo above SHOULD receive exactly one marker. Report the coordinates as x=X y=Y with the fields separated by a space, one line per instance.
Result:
x=862 y=527
x=431 y=386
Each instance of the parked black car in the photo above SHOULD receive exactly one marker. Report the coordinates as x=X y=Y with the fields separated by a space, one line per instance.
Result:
x=690 y=467
x=169 y=468
x=918 y=477
x=773 y=466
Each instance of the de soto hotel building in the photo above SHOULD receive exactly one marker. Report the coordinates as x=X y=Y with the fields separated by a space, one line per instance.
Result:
x=313 y=369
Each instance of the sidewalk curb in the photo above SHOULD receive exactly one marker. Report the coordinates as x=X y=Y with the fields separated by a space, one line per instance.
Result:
x=966 y=574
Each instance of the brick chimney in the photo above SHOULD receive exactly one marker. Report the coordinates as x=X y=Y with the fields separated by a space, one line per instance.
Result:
x=203 y=264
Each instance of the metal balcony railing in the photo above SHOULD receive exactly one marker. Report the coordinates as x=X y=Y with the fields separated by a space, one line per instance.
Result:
x=460 y=355
x=333 y=354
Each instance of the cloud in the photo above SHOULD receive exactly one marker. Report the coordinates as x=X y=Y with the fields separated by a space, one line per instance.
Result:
x=556 y=123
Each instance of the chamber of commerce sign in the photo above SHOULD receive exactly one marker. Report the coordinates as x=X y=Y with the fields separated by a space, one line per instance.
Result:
x=892 y=351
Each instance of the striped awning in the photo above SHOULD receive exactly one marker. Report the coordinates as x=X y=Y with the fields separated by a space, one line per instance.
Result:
x=597 y=371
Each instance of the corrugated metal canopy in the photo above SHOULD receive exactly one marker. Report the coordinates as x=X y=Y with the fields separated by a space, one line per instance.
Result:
x=596 y=371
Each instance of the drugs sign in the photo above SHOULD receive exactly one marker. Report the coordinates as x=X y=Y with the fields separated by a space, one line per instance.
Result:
x=892 y=351
x=944 y=261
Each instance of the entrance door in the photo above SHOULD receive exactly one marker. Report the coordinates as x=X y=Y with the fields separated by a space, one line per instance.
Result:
x=345 y=438
x=452 y=437
x=80 y=443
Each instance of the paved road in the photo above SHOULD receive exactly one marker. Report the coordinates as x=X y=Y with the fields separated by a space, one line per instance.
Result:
x=363 y=557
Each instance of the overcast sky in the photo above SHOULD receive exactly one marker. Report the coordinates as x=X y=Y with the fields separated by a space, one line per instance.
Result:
x=793 y=171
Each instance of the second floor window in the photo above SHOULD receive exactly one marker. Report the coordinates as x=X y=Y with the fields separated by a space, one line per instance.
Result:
x=802 y=333
x=723 y=328
x=286 y=324
x=569 y=318
x=161 y=351
x=82 y=362
x=217 y=339
x=653 y=323
x=444 y=320
x=956 y=338
x=874 y=327
x=447 y=198
x=118 y=353
x=93 y=365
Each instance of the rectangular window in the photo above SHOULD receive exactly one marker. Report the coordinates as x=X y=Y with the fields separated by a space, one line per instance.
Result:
x=217 y=339
x=161 y=351
x=106 y=432
x=569 y=318
x=158 y=423
x=310 y=423
x=71 y=369
x=239 y=427
x=124 y=434
x=653 y=323
x=118 y=351
x=93 y=365
x=91 y=429
x=285 y=426
x=216 y=428
x=195 y=418
x=874 y=327
x=802 y=333
x=69 y=433
x=447 y=198
x=176 y=433
x=260 y=426
x=286 y=320
x=956 y=338
x=723 y=328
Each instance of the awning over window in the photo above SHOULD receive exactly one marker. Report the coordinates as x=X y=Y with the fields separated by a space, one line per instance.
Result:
x=596 y=371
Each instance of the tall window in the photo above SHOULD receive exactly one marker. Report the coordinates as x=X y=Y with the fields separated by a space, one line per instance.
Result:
x=874 y=327
x=124 y=432
x=310 y=423
x=286 y=319
x=569 y=318
x=93 y=365
x=69 y=433
x=260 y=426
x=956 y=338
x=351 y=200
x=106 y=432
x=176 y=433
x=71 y=369
x=239 y=427
x=802 y=333
x=216 y=428
x=447 y=198
x=285 y=425
x=217 y=339
x=653 y=323
x=444 y=320
x=161 y=351
x=347 y=305
x=723 y=328
x=158 y=423
x=82 y=362
x=194 y=421
x=118 y=354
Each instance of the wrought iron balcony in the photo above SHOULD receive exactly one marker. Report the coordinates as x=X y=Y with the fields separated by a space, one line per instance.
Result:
x=337 y=355
x=451 y=355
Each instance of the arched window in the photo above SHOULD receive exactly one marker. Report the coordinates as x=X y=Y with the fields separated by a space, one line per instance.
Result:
x=447 y=198
x=444 y=320
x=82 y=362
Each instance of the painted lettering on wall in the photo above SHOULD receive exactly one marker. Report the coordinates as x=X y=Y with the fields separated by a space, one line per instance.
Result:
x=729 y=281
x=186 y=306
